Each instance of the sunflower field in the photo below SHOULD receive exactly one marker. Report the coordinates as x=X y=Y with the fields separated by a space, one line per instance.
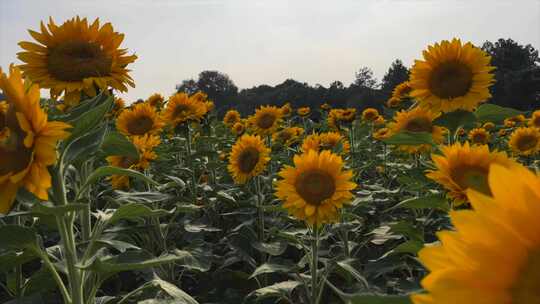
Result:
x=434 y=199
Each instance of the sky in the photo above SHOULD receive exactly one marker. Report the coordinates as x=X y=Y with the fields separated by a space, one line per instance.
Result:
x=265 y=42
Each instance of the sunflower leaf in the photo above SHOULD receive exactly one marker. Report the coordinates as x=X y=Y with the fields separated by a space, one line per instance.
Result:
x=494 y=113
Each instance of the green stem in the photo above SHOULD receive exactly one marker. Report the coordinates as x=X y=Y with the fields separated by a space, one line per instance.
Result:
x=260 y=210
x=192 y=167
x=55 y=275
x=315 y=265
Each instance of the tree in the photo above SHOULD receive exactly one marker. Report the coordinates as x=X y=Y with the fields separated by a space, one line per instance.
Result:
x=188 y=86
x=517 y=74
x=364 y=78
x=396 y=74
x=218 y=86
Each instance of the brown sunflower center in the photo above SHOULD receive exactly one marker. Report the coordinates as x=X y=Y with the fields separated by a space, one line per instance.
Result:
x=248 y=159
x=231 y=119
x=370 y=115
x=526 y=142
x=285 y=136
x=14 y=156
x=525 y=289
x=472 y=177
x=479 y=137
x=127 y=162
x=266 y=121
x=315 y=186
x=180 y=110
x=76 y=60
x=419 y=124
x=450 y=80
x=140 y=125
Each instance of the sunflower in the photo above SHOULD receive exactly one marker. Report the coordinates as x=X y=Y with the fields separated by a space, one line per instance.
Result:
x=382 y=133
x=238 y=128
x=401 y=91
x=76 y=58
x=155 y=100
x=316 y=187
x=248 y=158
x=286 y=110
x=145 y=146
x=326 y=107
x=288 y=136
x=303 y=111
x=231 y=118
x=488 y=125
x=525 y=141
x=509 y=123
x=534 y=121
x=493 y=253
x=118 y=106
x=266 y=120
x=393 y=102
x=502 y=132
x=333 y=120
x=417 y=120
x=140 y=120
x=347 y=115
x=379 y=121
x=181 y=109
x=27 y=140
x=479 y=136
x=453 y=76
x=370 y=114
x=463 y=166
x=333 y=141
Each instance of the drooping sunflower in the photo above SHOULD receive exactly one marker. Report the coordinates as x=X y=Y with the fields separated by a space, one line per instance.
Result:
x=238 y=128
x=266 y=120
x=488 y=125
x=288 y=136
x=370 y=114
x=534 y=121
x=316 y=188
x=155 y=100
x=333 y=141
x=27 y=140
x=303 y=111
x=231 y=117
x=382 y=133
x=463 y=167
x=452 y=76
x=140 y=120
x=286 y=110
x=525 y=141
x=75 y=58
x=249 y=157
x=479 y=136
x=145 y=146
x=402 y=90
x=182 y=109
x=347 y=115
x=333 y=120
x=417 y=120
x=492 y=255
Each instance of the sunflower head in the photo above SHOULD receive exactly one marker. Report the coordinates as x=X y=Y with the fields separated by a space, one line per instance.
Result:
x=333 y=120
x=231 y=117
x=370 y=114
x=500 y=227
x=326 y=107
x=402 y=90
x=303 y=111
x=417 y=120
x=382 y=133
x=452 y=76
x=534 y=121
x=488 y=125
x=393 y=102
x=140 y=120
x=155 y=100
x=463 y=167
x=75 y=58
x=347 y=115
x=316 y=188
x=286 y=110
x=379 y=121
x=248 y=158
x=184 y=109
x=479 y=136
x=288 y=136
x=525 y=141
x=332 y=141
x=27 y=140
x=238 y=128
x=266 y=120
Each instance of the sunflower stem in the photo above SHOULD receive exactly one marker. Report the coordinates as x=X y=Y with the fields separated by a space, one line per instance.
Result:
x=315 y=265
x=192 y=167
x=56 y=277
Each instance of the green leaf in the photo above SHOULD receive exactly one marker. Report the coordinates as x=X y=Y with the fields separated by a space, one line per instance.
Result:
x=412 y=246
x=271 y=268
x=49 y=209
x=348 y=267
x=180 y=296
x=82 y=108
x=129 y=260
x=274 y=248
x=196 y=260
x=40 y=281
x=456 y=119
x=281 y=289
x=18 y=237
x=117 y=144
x=410 y=138
x=10 y=259
x=226 y=197
x=494 y=113
x=407 y=229
x=90 y=119
x=134 y=210
x=433 y=201
x=84 y=145
x=110 y=170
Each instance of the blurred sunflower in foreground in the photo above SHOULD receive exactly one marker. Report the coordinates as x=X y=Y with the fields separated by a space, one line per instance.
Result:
x=27 y=140
x=493 y=253
x=76 y=58
x=248 y=158
x=316 y=188
x=452 y=76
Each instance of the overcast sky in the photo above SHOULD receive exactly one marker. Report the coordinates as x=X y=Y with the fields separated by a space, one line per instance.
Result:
x=256 y=42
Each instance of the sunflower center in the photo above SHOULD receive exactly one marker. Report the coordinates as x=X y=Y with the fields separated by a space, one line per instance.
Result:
x=14 y=156
x=419 y=124
x=526 y=142
x=180 y=109
x=315 y=186
x=472 y=177
x=525 y=289
x=479 y=137
x=284 y=136
x=77 y=60
x=140 y=125
x=248 y=159
x=450 y=80
x=127 y=162
x=370 y=115
x=266 y=121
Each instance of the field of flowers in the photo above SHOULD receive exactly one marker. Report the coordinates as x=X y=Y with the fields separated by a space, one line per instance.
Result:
x=434 y=199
